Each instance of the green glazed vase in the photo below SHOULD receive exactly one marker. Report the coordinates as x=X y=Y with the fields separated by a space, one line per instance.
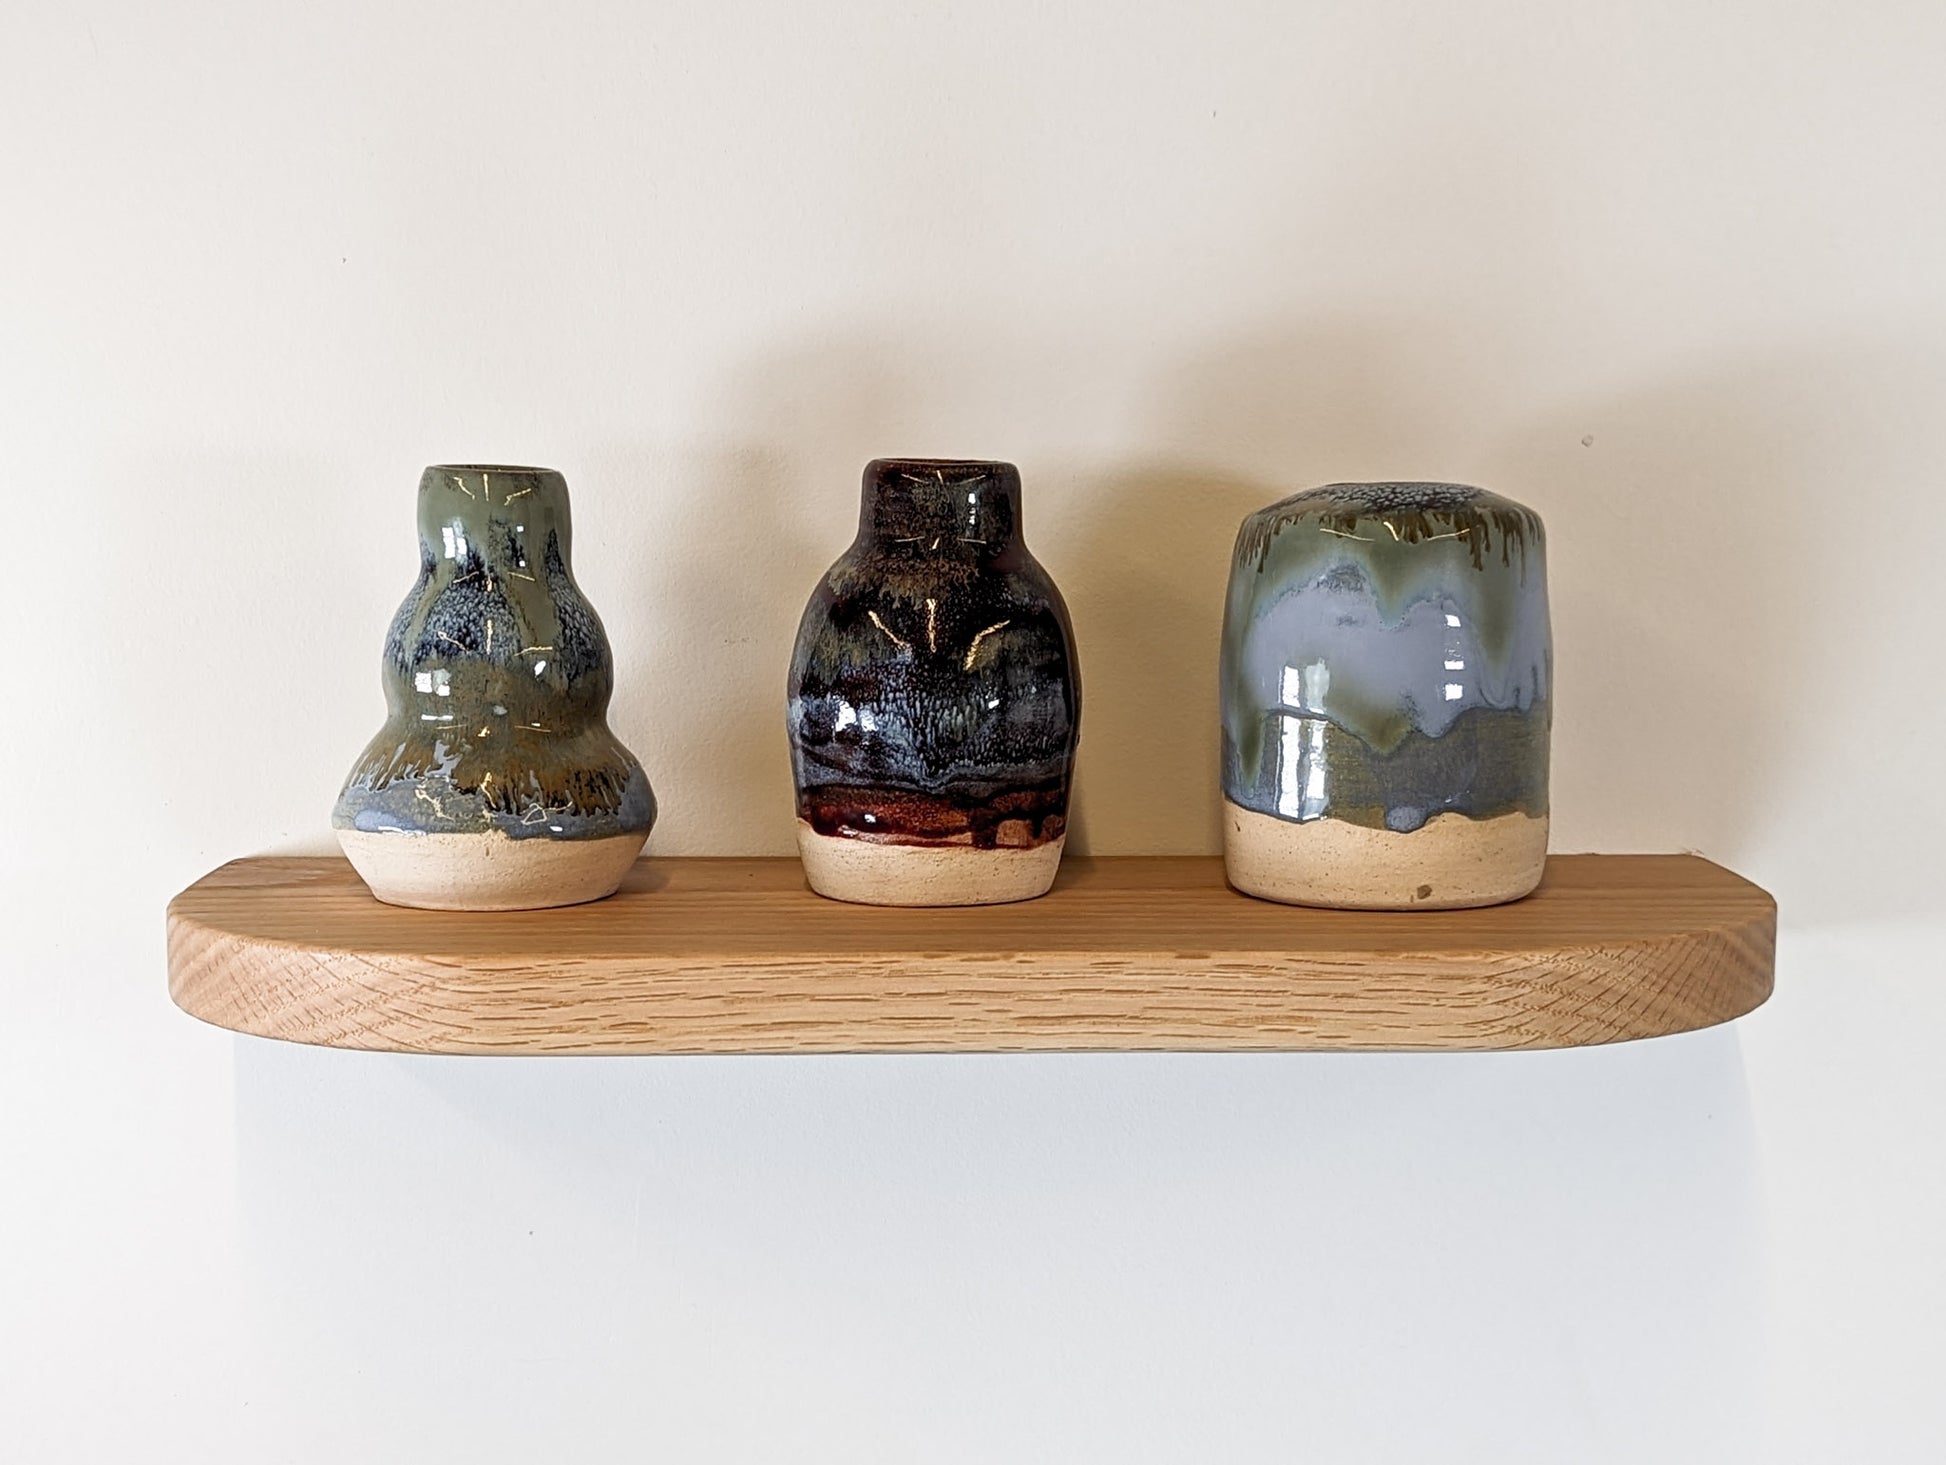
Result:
x=1387 y=693
x=495 y=783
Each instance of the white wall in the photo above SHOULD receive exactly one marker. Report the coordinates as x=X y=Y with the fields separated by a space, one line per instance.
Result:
x=1668 y=272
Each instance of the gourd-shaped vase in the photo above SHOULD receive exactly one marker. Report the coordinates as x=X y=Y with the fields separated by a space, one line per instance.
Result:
x=934 y=698
x=1387 y=676
x=495 y=783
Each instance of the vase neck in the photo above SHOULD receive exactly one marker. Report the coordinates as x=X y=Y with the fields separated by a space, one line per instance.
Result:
x=939 y=504
x=494 y=508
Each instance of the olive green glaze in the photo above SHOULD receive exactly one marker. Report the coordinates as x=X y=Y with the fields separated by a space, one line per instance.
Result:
x=1498 y=756
x=497 y=677
x=1484 y=526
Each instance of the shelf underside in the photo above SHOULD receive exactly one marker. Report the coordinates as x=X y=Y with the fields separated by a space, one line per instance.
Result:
x=737 y=956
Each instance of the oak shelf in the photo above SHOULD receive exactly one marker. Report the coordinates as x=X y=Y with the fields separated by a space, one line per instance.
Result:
x=738 y=956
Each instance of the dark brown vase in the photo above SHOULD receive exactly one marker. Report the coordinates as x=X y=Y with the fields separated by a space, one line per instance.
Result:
x=934 y=698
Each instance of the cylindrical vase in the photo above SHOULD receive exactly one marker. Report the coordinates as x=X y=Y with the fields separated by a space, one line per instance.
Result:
x=1387 y=673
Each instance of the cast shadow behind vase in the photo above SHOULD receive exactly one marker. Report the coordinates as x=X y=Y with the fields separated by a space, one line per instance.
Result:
x=1151 y=550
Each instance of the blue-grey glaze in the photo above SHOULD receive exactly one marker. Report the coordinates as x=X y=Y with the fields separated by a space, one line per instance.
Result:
x=1387 y=657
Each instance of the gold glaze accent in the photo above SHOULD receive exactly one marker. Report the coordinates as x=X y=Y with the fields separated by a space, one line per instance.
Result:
x=891 y=635
x=973 y=650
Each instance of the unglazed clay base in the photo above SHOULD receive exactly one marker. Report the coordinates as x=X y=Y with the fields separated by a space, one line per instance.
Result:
x=489 y=871
x=867 y=873
x=1447 y=863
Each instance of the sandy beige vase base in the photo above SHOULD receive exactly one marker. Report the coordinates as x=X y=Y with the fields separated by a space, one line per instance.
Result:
x=1448 y=863
x=866 y=873
x=489 y=871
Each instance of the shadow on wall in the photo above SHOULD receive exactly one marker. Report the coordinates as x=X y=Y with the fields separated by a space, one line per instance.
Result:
x=700 y=696
x=1731 y=548
x=1735 y=552
x=1140 y=555
x=767 y=516
x=1215 y=1256
x=1239 y=424
x=1140 y=550
x=1152 y=557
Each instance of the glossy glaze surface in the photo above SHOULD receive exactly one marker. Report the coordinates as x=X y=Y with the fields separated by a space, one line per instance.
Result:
x=934 y=697
x=497 y=676
x=1387 y=658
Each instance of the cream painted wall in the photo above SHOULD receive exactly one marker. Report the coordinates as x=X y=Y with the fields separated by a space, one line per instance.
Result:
x=1669 y=273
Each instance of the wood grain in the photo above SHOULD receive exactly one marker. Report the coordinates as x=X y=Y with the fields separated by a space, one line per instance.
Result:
x=738 y=956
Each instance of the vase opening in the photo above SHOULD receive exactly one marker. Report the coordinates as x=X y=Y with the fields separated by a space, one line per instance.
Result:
x=523 y=469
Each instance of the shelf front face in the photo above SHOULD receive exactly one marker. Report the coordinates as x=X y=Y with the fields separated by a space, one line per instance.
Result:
x=738 y=956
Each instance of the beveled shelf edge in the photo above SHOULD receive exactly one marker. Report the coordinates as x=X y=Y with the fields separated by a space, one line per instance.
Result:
x=912 y=993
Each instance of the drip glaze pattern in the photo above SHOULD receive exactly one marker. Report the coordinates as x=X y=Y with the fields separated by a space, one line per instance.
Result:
x=934 y=700
x=497 y=677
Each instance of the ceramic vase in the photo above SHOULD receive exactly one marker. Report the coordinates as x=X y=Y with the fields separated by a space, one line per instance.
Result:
x=1387 y=676
x=495 y=783
x=934 y=699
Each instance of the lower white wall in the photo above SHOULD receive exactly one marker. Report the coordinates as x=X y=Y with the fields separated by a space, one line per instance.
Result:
x=1668 y=273
x=1716 y=1247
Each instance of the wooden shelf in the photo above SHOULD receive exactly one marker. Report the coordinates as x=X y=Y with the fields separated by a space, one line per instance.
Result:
x=737 y=956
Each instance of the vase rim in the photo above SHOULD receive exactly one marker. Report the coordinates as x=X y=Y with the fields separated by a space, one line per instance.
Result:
x=1381 y=496
x=492 y=468
x=890 y=465
x=972 y=501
